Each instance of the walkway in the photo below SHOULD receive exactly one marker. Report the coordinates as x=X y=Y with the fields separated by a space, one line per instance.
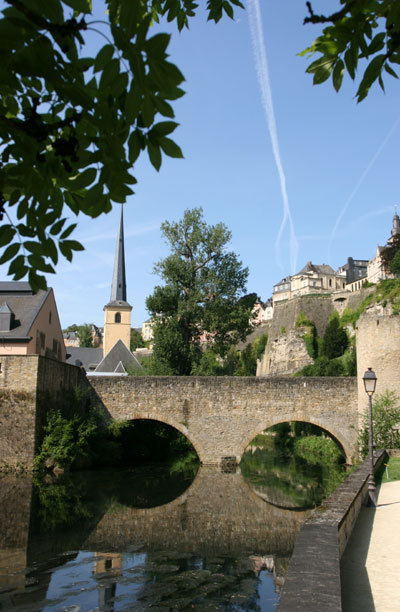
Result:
x=371 y=562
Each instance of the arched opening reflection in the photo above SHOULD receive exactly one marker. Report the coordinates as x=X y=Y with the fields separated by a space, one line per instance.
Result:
x=294 y=465
x=159 y=464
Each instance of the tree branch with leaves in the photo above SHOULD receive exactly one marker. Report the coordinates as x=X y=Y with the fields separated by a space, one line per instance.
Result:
x=367 y=30
x=72 y=126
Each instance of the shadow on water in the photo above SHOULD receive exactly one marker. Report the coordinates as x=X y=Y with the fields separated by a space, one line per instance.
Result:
x=136 y=539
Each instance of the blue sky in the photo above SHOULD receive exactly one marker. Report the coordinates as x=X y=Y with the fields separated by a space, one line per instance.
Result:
x=339 y=159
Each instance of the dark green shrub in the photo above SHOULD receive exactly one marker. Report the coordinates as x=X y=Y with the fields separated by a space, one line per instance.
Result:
x=335 y=339
x=386 y=422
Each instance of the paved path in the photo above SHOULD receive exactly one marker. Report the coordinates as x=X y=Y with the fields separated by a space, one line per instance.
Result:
x=371 y=562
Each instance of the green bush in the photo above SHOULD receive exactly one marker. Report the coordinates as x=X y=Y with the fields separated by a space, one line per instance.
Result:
x=318 y=450
x=335 y=340
x=259 y=345
x=386 y=423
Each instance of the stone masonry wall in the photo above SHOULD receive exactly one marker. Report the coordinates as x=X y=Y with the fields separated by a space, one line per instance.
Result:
x=29 y=386
x=221 y=415
x=378 y=347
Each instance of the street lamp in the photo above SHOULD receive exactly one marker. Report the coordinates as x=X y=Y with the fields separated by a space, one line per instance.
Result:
x=369 y=379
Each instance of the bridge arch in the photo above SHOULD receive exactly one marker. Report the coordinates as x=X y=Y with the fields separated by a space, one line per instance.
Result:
x=171 y=423
x=342 y=445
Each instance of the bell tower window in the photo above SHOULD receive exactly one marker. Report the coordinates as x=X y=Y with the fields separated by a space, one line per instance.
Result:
x=117 y=318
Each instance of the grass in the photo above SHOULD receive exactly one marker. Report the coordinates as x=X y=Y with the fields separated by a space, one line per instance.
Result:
x=393 y=471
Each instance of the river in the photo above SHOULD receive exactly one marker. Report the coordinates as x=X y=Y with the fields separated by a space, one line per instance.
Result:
x=148 y=538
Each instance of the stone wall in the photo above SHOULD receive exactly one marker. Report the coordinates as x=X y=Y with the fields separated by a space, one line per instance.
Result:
x=221 y=415
x=313 y=579
x=378 y=347
x=29 y=386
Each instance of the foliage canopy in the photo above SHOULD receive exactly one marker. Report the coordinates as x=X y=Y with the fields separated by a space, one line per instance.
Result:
x=367 y=30
x=71 y=125
x=204 y=293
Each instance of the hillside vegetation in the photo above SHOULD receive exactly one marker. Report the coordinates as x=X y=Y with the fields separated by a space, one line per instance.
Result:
x=334 y=353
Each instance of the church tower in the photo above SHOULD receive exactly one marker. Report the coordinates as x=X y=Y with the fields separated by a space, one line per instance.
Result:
x=117 y=313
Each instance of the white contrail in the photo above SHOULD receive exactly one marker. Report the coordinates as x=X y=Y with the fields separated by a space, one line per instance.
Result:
x=358 y=184
x=257 y=38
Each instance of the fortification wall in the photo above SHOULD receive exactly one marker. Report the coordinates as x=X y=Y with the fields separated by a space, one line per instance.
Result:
x=378 y=347
x=29 y=386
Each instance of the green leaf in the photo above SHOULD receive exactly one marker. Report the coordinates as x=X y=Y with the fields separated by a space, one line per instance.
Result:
x=36 y=281
x=154 y=155
x=65 y=250
x=33 y=247
x=351 y=60
x=390 y=71
x=82 y=6
x=170 y=147
x=10 y=252
x=164 y=127
x=371 y=73
x=7 y=233
x=74 y=245
x=57 y=227
x=84 y=179
x=38 y=263
x=20 y=273
x=16 y=265
x=337 y=74
x=68 y=231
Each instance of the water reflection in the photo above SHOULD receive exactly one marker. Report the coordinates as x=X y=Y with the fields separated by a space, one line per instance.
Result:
x=282 y=477
x=109 y=541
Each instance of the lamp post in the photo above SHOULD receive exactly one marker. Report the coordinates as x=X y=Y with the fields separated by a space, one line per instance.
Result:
x=369 y=379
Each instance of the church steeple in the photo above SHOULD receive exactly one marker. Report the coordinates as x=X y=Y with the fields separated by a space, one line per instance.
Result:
x=117 y=313
x=118 y=286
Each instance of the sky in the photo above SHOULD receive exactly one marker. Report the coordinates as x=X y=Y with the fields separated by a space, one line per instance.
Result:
x=297 y=172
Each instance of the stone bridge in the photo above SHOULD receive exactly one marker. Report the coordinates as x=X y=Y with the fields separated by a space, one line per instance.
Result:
x=221 y=415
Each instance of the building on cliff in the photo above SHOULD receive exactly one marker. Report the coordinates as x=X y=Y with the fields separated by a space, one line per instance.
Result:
x=312 y=279
x=376 y=267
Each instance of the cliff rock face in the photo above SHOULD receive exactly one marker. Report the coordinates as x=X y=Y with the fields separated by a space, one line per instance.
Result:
x=286 y=354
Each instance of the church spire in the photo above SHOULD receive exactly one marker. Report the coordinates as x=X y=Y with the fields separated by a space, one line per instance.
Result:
x=118 y=287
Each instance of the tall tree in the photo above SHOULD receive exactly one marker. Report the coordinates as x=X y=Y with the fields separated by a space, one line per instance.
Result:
x=203 y=292
x=72 y=125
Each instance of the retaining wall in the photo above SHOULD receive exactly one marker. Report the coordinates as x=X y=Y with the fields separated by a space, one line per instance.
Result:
x=313 y=579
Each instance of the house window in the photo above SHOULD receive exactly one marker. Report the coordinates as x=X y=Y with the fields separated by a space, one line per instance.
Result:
x=117 y=318
x=50 y=317
x=42 y=341
x=330 y=282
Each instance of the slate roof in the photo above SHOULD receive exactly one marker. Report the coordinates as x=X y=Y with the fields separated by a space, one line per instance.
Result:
x=323 y=269
x=88 y=356
x=118 y=353
x=24 y=304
